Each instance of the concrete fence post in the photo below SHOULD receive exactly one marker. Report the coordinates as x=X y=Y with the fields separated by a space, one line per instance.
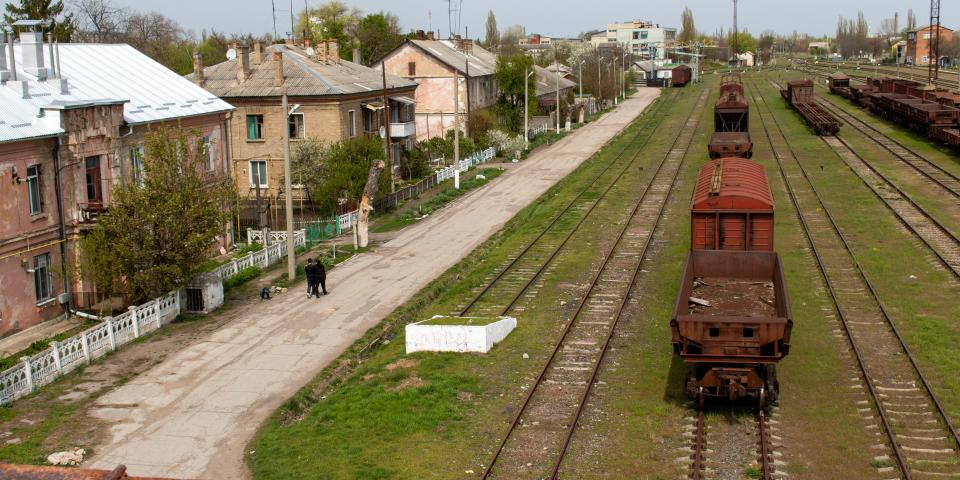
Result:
x=110 y=335
x=55 y=349
x=86 y=346
x=136 y=321
x=176 y=302
x=249 y=236
x=28 y=373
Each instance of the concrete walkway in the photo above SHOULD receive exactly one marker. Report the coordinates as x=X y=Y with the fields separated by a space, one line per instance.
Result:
x=193 y=415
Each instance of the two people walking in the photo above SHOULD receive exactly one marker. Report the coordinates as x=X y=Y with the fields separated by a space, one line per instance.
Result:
x=316 y=277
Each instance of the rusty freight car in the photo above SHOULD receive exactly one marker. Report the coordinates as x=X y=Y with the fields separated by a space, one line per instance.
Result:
x=731 y=112
x=730 y=144
x=799 y=95
x=732 y=207
x=680 y=76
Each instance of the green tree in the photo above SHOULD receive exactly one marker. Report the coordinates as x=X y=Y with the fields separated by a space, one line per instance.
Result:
x=688 y=31
x=744 y=42
x=160 y=230
x=510 y=75
x=333 y=20
x=338 y=171
x=60 y=24
x=492 y=40
x=378 y=34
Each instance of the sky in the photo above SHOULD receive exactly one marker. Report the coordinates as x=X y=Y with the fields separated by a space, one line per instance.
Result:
x=556 y=18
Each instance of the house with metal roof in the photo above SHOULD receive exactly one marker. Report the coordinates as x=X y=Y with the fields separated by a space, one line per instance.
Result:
x=73 y=125
x=434 y=64
x=334 y=99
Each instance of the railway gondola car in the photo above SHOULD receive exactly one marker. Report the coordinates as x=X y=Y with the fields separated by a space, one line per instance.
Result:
x=839 y=84
x=799 y=95
x=732 y=322
x=731 y=112
x=730 y=144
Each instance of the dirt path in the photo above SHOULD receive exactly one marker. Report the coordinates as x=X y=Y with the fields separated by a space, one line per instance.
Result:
x=192 y=415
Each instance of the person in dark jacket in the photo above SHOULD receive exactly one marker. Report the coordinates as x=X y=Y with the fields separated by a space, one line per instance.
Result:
x=311 y=270
x=321 y=276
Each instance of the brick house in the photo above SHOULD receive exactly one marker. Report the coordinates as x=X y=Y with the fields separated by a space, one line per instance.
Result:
x=918 y=44
x=337 y=100
x=74 y=125
x=432 y=64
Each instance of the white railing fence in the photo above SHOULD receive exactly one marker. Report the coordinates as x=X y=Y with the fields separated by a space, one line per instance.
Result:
x=62 y=357
x=465 y=164
x=264 y=258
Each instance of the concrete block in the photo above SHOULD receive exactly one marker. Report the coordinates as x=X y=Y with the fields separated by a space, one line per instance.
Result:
x=447 y=334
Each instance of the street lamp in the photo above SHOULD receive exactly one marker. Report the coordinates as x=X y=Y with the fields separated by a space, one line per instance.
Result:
x=599 y=81
x=581 y=78
x=623 y=75
x=288 y=189
x=526 y=107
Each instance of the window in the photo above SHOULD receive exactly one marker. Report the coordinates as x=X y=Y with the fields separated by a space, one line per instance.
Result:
x=94 y=188
x=924 y=59
x=644 y=34
x=927 y=36
x=296 y=126
x=33 y=189
x=412 y=69
x=714 y=331
x=209 y=161
x=352 y=123
x=258 y=173
x=254 y=127
x=747 y=333
x=136 y=164
x=42 y=278
x=636 y=35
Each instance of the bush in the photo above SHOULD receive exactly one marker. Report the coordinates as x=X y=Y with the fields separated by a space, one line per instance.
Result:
x=505 y=142
x=249 y=248
x=479 y=123
x=243 y=276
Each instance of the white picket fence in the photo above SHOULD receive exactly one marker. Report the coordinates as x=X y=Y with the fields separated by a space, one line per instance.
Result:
x=62 y=357
x=465 y=164
x=537 y=131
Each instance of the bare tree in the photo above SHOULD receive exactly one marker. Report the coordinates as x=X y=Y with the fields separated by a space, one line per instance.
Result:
x=688 y=31
x=492 y=39
x=99 y=21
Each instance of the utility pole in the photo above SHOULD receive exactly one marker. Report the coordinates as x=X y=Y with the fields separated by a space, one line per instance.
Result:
x=387 y=139
x=293 y=29
x=456 y=130
x=556 y=65
x=273 y=10
x=933 y=56
x=736 y=35
x=526 y=107
x=599 y=81
x=581 y=79
x=288 y=190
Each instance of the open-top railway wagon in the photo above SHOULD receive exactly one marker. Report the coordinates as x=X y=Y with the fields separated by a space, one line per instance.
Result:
x=731 y=323
x=799 y=95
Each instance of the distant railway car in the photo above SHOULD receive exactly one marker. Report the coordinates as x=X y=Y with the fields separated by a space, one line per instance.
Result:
x=731 y=324
x=731 y=112
x=840 y=85
x=730 y=144
x=799 y=94
x=732 y=207
x=680 y=76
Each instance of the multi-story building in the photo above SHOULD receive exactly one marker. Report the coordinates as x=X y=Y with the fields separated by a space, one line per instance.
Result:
x=335 y=100
x=75 y=120
x=918 y=44
x=637 y=37
x=434 y=64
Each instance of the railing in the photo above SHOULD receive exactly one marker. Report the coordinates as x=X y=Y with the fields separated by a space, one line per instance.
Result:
x=465 y=164
x=274 y=236
x=62 y=357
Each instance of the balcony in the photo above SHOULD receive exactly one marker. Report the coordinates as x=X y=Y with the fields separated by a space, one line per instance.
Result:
x=90 y=212
x=403 y=129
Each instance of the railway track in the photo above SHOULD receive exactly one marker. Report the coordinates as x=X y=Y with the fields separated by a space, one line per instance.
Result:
x=938 y=238
x=918 y=432
x=537 y=439
x=519 y=274
x=737 y=442
x=864 y=71
x=942 y=178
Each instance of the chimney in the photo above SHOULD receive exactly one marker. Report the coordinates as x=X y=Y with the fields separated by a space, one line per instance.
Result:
x=53 y=67
x=421 y=35
x=356 y=56
x=31 y=44
x=334 y=51
x=322 y=52
x=257 y=53
x=198 y=68
x=4 y=71
x=13 y=58
x=243 y=63
x=430 y=35
x=277 y=69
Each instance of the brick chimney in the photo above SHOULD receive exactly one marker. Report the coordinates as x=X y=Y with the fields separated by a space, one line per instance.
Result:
x=322 y=52
x=243 y=63
x=421 y=35
x=277 y=69
x=257 y=53
x=430 y=35
x=333 y=51
x=198 y=77
x=31 y=46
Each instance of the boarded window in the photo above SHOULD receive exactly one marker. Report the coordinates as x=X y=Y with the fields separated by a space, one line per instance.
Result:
x=412 y=68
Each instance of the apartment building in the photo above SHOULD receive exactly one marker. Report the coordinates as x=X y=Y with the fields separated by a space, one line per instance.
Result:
x=637 y=37
x=75 y=121
x=918 y=44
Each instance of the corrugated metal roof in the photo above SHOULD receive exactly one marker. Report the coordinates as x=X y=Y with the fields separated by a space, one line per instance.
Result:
x=303 y=76
x=111 y=73
x=732 y=184
x=547 y=82
x=482 y=62
x=20 y=120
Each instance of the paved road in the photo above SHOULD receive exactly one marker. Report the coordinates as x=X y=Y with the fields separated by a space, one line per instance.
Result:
x=192 y=415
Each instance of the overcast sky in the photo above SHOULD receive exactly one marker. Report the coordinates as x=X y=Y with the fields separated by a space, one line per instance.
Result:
x=556 y=17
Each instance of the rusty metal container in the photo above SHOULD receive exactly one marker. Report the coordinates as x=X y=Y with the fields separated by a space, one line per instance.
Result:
x=730 y=144
x=732 y=323
x=732 y=207
x=799 y=91
x=680 y=76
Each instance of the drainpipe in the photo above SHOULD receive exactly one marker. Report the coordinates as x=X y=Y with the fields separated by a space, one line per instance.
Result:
x=63 y=227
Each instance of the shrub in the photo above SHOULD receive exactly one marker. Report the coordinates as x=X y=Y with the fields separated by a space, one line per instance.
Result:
x=243 y=276
x=249 y=248
x=505 y=142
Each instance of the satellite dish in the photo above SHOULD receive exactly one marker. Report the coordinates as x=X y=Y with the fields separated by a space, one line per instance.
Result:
x=231 y=54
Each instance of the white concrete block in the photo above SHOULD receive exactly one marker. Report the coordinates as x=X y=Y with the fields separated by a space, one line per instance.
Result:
x=446 y=334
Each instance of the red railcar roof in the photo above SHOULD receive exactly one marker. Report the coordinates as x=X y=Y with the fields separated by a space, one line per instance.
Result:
x=732 y=184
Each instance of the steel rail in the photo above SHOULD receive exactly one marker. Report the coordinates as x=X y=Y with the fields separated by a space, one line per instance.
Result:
x=656 y=118
x=876 y=296
x=580 y=305
x=699 y=447
x=766 y=472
